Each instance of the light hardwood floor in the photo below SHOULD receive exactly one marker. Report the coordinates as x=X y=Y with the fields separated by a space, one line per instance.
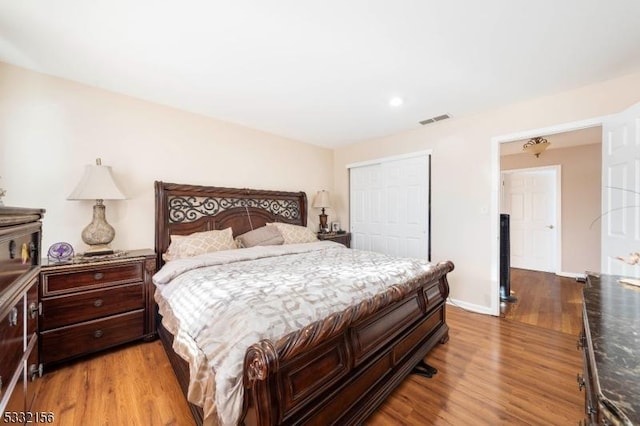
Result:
x=545 y=300
x=492 y=371
x=132 y=385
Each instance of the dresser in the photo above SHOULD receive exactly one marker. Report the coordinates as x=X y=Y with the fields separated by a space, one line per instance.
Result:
x=610 y=344
x=91 y=305
x=344 y=238
x=20 y=237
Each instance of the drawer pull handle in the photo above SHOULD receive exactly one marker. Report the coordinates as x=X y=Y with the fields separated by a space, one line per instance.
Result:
x=13 y=317
x=33 y=310
x=33 y=250
x=98 y=276
x=35 y=371
x=12 y=249
x=581 y=340
x=581 y=383
x=97 y=303
x=97 y=334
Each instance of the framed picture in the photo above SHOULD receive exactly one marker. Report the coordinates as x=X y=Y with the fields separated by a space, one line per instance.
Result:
x=335 y=226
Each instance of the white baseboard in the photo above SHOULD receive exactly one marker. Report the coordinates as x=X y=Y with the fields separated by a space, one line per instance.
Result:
x=470 y=306
x=571 y=274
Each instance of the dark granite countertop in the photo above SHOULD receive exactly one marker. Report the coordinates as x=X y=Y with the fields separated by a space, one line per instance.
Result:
x=613 y=315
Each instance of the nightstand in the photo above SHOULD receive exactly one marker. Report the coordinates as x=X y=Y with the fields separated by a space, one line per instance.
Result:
x=96 y=304
x=338 y=238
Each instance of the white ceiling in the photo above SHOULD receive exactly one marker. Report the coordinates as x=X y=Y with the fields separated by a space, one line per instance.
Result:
x=323 y=71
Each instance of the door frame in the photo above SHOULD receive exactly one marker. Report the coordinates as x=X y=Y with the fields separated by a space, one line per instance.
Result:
x=422 y=153
x=494 y=210
x=557 y=169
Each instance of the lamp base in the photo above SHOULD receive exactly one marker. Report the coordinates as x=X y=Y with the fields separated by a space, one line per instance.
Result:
x=324 y=227
x=98 y=234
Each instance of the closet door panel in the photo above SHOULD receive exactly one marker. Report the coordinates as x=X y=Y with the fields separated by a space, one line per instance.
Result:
x=390 y=207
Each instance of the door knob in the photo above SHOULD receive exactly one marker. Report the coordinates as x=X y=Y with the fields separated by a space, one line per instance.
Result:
x=550 y=226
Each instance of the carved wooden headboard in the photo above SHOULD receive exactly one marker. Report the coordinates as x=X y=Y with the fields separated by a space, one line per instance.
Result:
x=184 y=209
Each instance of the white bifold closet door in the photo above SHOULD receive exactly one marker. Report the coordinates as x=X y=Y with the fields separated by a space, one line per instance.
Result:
x=389 y=207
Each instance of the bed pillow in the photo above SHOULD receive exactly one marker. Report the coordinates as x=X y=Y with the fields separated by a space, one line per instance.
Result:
x=199 y=243
x=294 y=234
x=264 y=236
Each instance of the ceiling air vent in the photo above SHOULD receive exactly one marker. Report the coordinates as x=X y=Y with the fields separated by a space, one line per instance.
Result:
x=434 y=119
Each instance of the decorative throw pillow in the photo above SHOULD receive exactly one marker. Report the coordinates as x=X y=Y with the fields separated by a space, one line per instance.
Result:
x=264 y=236
x=199 y=243
x=294 y=234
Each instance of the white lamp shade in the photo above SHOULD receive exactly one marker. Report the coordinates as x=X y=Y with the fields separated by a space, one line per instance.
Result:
x=321 y=200
x=97 y=184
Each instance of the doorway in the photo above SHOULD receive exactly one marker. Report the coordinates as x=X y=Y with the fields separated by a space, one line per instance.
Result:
x=532 y=199
x=508 y=154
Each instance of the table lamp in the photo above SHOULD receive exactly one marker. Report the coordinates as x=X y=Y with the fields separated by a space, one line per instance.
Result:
x=321 y=201
x=97 y=184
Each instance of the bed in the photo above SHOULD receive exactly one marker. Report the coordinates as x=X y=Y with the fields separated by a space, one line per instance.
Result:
x=337 y=369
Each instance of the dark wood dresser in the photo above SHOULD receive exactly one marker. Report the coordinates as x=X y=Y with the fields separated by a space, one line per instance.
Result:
x=20 y=239
x=610 y=343
x=92 y=305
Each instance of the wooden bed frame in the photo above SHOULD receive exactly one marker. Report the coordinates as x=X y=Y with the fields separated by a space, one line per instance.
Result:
x=333 y=371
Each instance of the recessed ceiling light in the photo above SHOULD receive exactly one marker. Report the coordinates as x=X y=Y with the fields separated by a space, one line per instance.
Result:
x=396 y=101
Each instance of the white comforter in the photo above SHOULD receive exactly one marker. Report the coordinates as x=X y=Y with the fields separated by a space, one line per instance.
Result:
x=217 y=305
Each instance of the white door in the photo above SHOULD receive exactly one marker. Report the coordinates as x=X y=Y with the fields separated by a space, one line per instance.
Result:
x=529 y=197
x=621 y=191
x=390 y=207
x=368 y=211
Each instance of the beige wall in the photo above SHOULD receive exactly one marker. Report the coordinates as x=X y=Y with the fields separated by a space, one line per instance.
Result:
x=580 y=205
x=50 y=128
x=464 y=175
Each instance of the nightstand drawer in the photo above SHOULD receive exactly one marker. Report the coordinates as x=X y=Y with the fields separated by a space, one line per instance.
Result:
x=68 y=342
x=64 y=310
x=56 y=283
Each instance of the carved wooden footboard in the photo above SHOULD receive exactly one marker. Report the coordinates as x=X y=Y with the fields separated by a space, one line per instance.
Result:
x=340 y=369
